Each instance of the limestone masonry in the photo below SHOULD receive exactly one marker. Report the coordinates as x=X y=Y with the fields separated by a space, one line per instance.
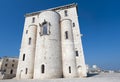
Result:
x=8 y=67
x=51 y=45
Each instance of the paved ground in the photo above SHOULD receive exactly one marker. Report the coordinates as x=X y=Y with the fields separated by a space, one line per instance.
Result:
x=103 y=77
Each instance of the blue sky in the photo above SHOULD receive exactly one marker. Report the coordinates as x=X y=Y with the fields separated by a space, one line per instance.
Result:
x=99 y=24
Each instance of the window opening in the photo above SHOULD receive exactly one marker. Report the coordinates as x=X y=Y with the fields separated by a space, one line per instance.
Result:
x=23 y=57
x=12 y=65
x=66 y=34
x=26 y=70
x=45 y=29
x=33 y=19
x=42 y=69
x=69 y=69
x=77 y=53
x=73 y=24
x=6 y=65
x=29 y=41
x=11 y=72
x=66 y=13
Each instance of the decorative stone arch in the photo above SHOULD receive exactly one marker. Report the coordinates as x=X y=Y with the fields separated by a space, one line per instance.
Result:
x=44 y=28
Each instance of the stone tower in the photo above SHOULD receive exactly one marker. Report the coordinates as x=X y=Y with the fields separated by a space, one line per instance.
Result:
x=51 y=45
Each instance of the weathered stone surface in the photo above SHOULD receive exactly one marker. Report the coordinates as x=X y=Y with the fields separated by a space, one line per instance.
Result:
x=8 y=67
x=55 y=48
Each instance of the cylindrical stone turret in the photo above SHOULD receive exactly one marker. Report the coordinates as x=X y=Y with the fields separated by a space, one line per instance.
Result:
x=68 y=53
x=48 y=59
x=27 y=54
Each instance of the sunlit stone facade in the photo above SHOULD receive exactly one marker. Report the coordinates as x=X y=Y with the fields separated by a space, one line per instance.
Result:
x=51 y=45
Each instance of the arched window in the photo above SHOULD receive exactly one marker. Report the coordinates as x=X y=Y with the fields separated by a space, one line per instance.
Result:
x=29 y=42
x=69 y=69
x=26 y=70
x=11 y=71
x=66 y=34
x=44 y=28
x=42 y=68
x=23 y=57
x=66 y=13
x=33 y=19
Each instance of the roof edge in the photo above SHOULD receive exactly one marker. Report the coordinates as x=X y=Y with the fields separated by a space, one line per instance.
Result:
x=53 y=9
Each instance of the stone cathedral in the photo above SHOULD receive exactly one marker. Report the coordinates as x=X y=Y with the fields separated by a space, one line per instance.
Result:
x=51 y=45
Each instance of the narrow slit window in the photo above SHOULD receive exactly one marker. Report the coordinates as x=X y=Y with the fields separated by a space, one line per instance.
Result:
x=26 y=70
x=42 y=68
x=73 y=24
x=66 y=13
x=69 y=69
x=11 y=71
x=77 y=53
x=29 y=41
x=33 y=19
x=23 y=57
x=66 y=34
